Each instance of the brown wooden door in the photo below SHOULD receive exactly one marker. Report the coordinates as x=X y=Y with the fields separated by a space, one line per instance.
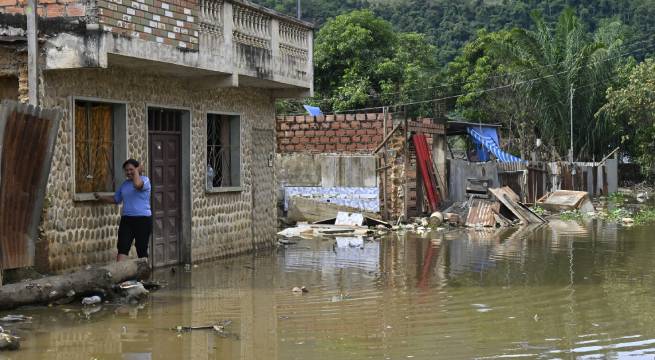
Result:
x=165 y=166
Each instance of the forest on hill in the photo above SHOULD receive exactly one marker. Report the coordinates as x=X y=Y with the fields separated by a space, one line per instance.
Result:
x=532 y=66
x=451 y=23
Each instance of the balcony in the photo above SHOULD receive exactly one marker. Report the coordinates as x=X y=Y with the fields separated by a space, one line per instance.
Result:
x=218 y=43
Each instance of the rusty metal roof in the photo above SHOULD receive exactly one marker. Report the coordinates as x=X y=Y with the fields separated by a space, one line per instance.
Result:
x=481 y=213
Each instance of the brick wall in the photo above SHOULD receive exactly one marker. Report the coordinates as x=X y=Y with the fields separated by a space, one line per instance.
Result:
x=173 y=22
x=46 y=8
x=360 y=133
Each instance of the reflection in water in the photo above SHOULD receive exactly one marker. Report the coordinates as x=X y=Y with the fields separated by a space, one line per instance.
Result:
x=563 y=290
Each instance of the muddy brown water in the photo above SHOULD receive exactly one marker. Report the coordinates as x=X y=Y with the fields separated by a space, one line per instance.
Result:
x=565 y=290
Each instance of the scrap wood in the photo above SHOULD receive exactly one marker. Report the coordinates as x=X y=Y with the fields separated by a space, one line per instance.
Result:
x=507 y=197
x=566 y=200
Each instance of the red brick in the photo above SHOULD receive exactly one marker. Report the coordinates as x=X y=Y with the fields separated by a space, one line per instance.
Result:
x=335 y=125
x=361 y=132
x=309 y=133
x=355 y=125
x=361 y=117
x=299 y=133
x=288 y=133
x=341 y=147
x=300 y=119
x=284 y=141
x=319 y=133
x=330 y=147
x=362 y=147
x=380 y=131
x=341 y=132
x=329 y=118
x=55 y=10
x=372 y=116
x=300 y=147
x=289 y=118
x=377 y=124
x=366 y=125
x=284 y=126
x=325 y=125
x=304 y=126
x=376 y=139
x=325 y=140
x=289 y=147
x=295 y=127
x=334 y=139
x=350 y=117
x=345 y=140
x=344 y=125
x=351 y=132
x=315 y=140
x=357 y=138
x=13 y=10
x=8 y=3
x=340 y=117
x=319 y=147
x=295 y=140
x=320 y=118
x=371 y=132
x=366 y=139
x=351 y=147
x=330 y=133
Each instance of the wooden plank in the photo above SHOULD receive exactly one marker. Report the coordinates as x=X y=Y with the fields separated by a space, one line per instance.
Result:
x=386 y=139
x=508 y=198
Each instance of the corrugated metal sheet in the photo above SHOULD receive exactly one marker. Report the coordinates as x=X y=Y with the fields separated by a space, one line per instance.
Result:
x=27 y=138
x=481 y=213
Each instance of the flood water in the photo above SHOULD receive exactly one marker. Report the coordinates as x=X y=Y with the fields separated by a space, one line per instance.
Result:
x=564 y=290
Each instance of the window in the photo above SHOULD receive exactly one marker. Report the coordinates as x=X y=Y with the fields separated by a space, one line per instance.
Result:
x=99 y=146
x=223 y=151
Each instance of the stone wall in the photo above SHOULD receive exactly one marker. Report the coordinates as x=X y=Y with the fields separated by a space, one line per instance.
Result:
x=79 y=233
x=360 y=133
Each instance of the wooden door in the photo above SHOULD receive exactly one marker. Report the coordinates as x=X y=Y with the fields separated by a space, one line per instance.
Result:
x=165 y=168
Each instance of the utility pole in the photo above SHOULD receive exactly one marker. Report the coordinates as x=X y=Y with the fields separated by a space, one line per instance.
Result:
x=32 y=52
x=573 y=172
x=571 y=113
x=299 y=10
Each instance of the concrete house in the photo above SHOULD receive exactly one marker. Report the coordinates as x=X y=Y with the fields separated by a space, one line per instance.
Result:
x=186 y=87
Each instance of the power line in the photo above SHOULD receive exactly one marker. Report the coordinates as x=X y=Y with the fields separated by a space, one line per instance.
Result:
x=494 y=88
x=504 y=75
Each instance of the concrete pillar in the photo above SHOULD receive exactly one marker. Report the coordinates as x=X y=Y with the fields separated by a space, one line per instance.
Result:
x=439 y=148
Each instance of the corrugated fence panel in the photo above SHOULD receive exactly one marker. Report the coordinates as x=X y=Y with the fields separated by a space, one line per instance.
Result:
x=27 y=138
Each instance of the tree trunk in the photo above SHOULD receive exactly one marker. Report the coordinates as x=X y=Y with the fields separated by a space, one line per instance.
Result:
x=50 y=289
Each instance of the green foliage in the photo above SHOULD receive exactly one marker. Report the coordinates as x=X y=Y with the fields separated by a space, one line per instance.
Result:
x=538 y=210
x=361 y=61
x=573 y=215
x=644 y=217
x=630 y=108
x=616 y=198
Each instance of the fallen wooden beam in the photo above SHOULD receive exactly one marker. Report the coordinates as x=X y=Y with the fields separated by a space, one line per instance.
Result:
x=384 y=141
x=91 y=280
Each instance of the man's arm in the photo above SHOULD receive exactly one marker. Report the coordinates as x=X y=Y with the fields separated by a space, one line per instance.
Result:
x=138 y=182
x=105 y=199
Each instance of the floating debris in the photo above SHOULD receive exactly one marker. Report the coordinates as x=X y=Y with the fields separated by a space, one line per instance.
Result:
x=299 y=290
x=91 y=300
x=15 y=318
x=9 y=342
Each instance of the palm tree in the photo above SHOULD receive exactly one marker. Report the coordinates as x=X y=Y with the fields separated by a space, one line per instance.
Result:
x=559 y=59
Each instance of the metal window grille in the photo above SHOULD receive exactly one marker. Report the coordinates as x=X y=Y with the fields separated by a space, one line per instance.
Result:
x=223 y=148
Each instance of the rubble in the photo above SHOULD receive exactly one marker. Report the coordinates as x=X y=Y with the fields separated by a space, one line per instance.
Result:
x=566 y=200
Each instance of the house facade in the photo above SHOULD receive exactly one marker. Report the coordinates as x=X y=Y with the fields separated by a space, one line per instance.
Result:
x=188 y=88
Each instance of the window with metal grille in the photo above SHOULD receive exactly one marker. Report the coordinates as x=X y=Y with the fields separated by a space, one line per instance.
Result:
x=223 y=151
x=100 y=146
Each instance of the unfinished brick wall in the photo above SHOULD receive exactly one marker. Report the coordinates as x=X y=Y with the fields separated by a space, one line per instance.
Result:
x=46 y=8
x=352 y=133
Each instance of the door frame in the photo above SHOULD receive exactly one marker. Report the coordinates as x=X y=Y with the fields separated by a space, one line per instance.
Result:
x=185 y=176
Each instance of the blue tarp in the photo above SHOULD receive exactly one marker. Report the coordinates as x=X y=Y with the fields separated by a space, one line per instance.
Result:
x=486 y=141
x=313 y=110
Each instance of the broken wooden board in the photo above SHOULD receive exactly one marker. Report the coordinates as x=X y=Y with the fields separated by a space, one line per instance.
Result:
x=566 y=200
x=508 y=197
x=310 y=210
